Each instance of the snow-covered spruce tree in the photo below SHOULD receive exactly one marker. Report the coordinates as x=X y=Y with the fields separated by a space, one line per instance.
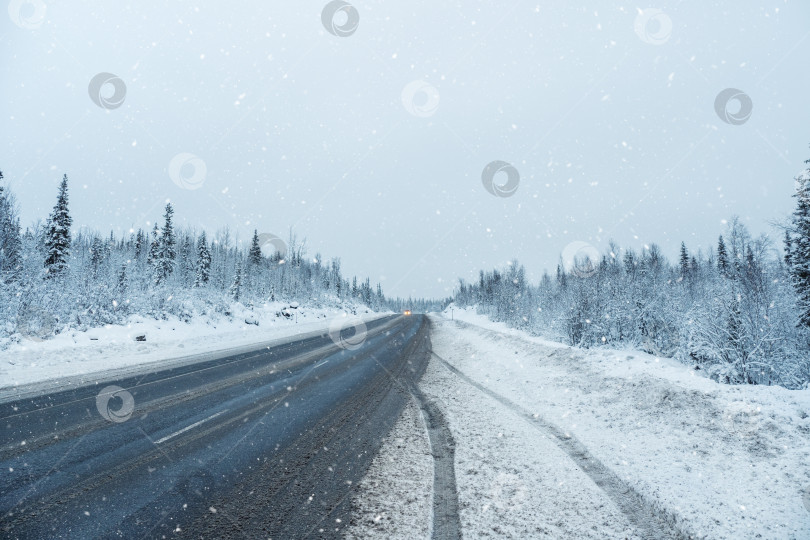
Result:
x=366 y=292
x=787 y=243
x=185 y=260
x=140 y=240
x=96 y=257
x=800 y=240
x=562 y=278
x=722 y=257
x=11 y=256
x=684 y=261
x=336 y=278
x=167 y=251
x=236 y=287
x=57 y=237
x=203 y=267
x=380 y=298
x=253 y=281
x=10 y=241
x=154 y=249
x=255 y=253
x=121 y=286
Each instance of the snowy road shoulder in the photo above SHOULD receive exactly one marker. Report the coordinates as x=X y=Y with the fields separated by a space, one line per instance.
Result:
x=101 y=354
x=510 y=481
x=513 y=481
x=394 y=498
x=620 y=437
x=724 y=462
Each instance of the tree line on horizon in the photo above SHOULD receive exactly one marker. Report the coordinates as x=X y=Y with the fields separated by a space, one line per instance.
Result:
x=740 y=311
x=83 y=279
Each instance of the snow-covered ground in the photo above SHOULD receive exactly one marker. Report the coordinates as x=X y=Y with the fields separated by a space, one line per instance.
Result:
x=75 y=357
x=394 y=500
x=716 y=461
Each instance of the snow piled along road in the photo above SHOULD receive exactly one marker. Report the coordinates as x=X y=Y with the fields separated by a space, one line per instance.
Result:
x=77 y=357
x=553 y=441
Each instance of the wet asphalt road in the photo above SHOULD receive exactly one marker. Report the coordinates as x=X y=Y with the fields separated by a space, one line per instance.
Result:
x=268 y=443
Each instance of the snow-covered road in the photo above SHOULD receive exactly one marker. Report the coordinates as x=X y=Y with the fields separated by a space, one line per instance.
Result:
x=559 y=442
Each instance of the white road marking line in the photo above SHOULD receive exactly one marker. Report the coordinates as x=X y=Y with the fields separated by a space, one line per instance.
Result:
x=192 y=426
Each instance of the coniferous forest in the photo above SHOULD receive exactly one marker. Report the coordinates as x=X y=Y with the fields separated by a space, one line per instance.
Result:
x=54 y=278
x=740 y=312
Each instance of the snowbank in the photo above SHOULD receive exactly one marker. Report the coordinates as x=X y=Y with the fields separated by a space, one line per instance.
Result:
x=726 y=461
x=75 y=357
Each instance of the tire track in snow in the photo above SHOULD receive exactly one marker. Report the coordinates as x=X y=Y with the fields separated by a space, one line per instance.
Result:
x=651 y=521
x=446 y=521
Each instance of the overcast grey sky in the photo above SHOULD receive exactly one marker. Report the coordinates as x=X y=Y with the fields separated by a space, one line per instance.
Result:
x=606 y=112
